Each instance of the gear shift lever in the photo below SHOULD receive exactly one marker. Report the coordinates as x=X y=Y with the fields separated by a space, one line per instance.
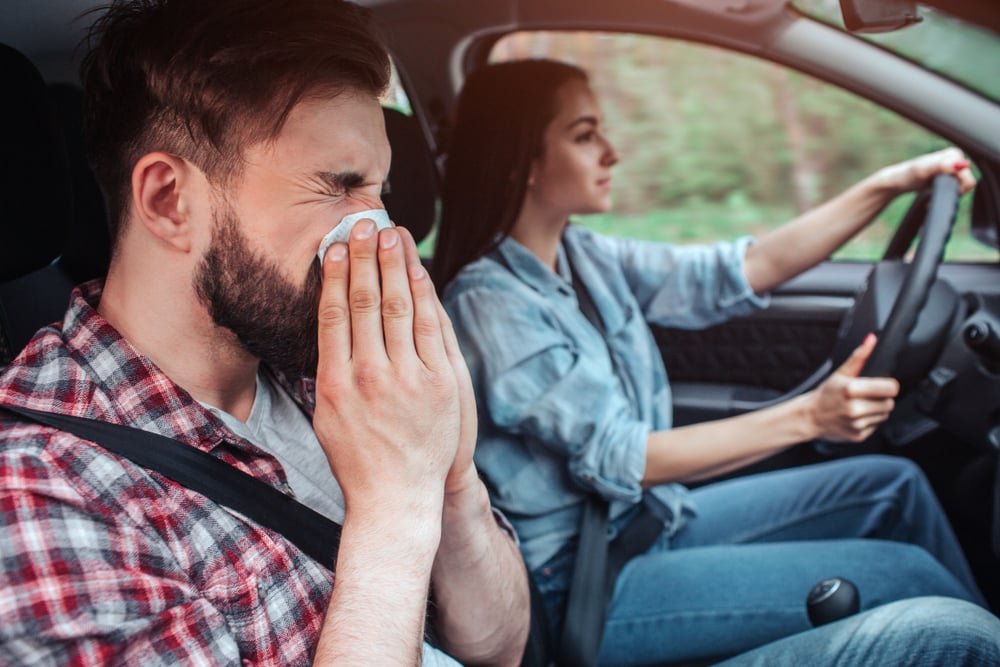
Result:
x=831 y=600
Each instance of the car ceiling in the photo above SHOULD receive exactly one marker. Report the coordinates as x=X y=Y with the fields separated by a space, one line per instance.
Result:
x=984 y=13
x=424 y=34
x=50 y=31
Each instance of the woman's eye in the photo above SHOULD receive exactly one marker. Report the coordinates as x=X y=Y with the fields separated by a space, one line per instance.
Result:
x=586 y=137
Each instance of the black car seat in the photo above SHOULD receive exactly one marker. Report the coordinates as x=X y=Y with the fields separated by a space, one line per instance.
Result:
x=411 y=192
x=87 y=250
x=37 y=196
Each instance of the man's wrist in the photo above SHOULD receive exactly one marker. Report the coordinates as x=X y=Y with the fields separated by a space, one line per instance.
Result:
x=469 y=497
x=412 y=521
x=461 y=482
x=466 y=512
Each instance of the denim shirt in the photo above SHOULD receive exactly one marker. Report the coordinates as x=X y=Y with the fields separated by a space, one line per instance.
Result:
x=562 y=410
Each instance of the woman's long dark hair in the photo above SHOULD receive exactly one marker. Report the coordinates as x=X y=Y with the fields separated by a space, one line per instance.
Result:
x=497 y=133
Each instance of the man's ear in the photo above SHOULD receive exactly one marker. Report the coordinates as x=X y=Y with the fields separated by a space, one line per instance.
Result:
x=163 y=187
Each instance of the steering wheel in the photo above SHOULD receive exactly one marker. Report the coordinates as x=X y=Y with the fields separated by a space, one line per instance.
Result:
x=895 y=292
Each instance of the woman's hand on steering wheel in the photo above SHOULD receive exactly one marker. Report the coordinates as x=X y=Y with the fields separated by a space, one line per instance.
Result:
x=916 y=173
x=848 y=407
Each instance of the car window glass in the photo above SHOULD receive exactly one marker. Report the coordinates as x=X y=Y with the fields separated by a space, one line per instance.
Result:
x=715 y=144
x=960 y=50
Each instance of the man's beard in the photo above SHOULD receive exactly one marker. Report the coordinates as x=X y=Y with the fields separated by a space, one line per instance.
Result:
x=246 y=293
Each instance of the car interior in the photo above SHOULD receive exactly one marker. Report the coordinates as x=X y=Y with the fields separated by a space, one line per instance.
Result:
x=940 y=316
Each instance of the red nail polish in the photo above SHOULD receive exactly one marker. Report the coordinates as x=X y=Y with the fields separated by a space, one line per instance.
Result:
x=960 y=165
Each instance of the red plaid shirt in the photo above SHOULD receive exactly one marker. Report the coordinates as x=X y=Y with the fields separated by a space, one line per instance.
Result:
x=102 y=561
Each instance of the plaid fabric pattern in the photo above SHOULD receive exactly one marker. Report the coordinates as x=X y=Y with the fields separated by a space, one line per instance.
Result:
x=102 y=561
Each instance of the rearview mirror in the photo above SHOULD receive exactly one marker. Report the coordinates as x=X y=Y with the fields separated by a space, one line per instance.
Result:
x=878 y=15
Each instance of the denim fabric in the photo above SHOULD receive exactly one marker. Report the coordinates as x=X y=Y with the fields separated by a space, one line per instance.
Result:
x=552 y=425
x=564 y=412
x=930 y=632
x=737 y=577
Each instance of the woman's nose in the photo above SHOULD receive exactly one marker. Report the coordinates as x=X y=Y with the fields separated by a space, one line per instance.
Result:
x=610 y=157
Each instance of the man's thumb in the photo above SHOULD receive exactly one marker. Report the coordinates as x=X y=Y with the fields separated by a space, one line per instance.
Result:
x=852 y=367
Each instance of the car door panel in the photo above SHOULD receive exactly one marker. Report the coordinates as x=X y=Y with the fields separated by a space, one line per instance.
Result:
x=723 y=370
x=717 y=372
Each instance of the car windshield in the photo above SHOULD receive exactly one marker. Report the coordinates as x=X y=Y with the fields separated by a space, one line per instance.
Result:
x=957 y=49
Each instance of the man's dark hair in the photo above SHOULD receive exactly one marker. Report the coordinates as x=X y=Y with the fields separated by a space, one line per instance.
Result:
x=205 y=79
x=498 y=131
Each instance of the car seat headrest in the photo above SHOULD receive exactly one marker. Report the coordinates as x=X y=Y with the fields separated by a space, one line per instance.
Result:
x=34 y=174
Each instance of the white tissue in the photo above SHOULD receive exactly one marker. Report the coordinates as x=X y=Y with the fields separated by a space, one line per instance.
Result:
x=342 y=232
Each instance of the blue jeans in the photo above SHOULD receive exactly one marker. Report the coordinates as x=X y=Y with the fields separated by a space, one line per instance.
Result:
x=927 y=631
x=736 y=577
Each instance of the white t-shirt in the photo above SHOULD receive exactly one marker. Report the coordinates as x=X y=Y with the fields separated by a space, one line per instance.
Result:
x=278 y=426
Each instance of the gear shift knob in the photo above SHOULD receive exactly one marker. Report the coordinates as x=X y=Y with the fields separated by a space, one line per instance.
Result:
x=831 y=600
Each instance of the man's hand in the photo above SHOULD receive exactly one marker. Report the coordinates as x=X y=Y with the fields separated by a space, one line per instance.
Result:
x=387 y=396
x=847 y=407
x=463 y=473
x=387 y=416
x=396 y=416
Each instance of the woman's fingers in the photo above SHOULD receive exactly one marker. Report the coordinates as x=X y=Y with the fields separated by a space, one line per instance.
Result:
x=916 y=173
x=966 y=179
x=873 y=388
x=853 y=365
x=850 y=407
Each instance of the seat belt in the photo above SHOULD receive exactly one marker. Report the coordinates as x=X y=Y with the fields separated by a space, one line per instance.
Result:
x=310 y=531
x=587 y=599
x=314 y=534
x=598 y=563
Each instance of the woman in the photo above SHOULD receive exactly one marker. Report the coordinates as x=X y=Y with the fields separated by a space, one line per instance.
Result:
x=568 y=408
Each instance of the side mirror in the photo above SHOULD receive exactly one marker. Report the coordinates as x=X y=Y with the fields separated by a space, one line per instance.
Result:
x=878 y=15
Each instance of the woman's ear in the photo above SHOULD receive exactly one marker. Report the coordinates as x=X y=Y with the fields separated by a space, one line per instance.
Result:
x=162 y=190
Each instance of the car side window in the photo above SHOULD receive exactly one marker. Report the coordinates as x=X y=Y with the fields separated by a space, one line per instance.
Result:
x=715 y=144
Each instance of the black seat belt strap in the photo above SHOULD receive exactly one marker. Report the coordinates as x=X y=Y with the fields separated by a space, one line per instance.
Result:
x=310 y=531
x=586 y=600
x=598 y=563
x=637 y=536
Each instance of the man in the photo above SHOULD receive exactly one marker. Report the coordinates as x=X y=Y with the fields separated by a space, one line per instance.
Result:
x=229 y=138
